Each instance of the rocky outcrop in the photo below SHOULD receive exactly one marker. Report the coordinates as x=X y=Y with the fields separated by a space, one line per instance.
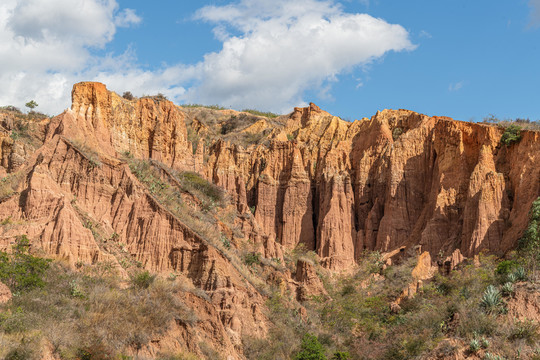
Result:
x=397 y=179
x=395 y=182
x=5 y=293
x=309 y=282
x=77 y=199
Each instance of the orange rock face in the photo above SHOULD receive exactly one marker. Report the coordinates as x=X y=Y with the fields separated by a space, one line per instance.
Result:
x=397 y=179
x=310 y=179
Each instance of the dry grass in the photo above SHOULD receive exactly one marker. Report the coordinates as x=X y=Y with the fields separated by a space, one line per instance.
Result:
x=86 y=150
x=524 y=124
x=76 y=313
x=167 y=187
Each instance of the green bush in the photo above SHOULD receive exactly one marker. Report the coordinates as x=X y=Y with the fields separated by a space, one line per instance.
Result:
x=529 y=243
x=252 y=258
x=341 y=355
x=143 y=279
x=512 y=134
x=505 y=267
x=311 y=349
x=196 y=181
x=21 y=271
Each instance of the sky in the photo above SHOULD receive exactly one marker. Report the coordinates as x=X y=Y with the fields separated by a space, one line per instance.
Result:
x=459 y=58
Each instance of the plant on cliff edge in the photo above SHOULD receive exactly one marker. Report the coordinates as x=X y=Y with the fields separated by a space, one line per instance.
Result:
x=31 y=105
x=512 y=134
x=529 y=243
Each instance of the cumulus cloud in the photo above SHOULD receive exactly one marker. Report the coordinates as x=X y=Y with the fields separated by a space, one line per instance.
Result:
x=273 y=52
x=47 y=45
x=126 y=18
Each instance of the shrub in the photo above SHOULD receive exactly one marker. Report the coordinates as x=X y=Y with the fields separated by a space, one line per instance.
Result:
x=341 y=355
x=511 y=135
x=311 y=349
x=261 y=113
x=159 y=97
x=195 y=181
x=21 y=271
x=526 y=330
x=396 y=133
x=252 y=258
x=143 y=279
x=491 y=300
x=128 y=95
x=505 y=267
x=11 y=108
x=529 y=243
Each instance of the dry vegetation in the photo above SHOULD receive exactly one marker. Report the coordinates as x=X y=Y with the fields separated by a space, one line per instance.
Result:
x=524 y=124
x=223 y=125
x=448 y=316
x=89 y=315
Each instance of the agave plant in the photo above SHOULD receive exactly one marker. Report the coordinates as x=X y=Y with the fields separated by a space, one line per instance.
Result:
x=507 y=289
x=512 y=278
x=484 y=343
x=520 y=274
x=491 y=300
x=474 y=346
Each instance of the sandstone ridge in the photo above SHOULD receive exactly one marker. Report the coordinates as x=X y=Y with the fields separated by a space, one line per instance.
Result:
x=395 y=182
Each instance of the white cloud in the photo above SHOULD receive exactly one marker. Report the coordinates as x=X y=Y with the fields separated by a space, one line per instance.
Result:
x=425 y=34
x=286 y=48
x=535 y=12
x=126 y=18
x=273 y=52
x=456 y=86
x=47 y=45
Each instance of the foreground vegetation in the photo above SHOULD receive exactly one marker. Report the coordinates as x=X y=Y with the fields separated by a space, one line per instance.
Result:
x=88 y=314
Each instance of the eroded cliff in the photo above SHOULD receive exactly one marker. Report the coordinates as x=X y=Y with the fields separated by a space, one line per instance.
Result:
x=308 y=180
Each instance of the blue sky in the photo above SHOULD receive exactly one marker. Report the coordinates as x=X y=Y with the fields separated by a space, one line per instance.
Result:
x=464 y=59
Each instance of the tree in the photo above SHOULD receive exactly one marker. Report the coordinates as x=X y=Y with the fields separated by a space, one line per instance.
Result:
x=311 y=349
x=529 y=244
x=128 y=95
x=512 y=134
x=20 y=270
x=31 y=105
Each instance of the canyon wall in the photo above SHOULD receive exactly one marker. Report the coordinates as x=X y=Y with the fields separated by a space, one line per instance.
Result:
x=398 y=180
